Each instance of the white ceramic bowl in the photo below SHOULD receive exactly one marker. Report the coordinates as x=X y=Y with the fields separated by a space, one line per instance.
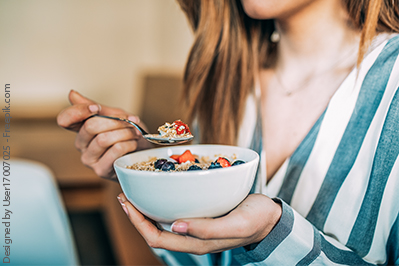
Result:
x=168 y=196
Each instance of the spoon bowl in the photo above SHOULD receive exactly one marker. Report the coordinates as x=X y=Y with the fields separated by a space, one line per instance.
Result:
x=153 y=138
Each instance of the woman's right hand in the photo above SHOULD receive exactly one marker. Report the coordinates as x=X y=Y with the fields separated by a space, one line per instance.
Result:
x=100 y=141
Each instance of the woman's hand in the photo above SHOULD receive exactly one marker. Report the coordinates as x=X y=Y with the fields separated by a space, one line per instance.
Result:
x=248 y=223
x=100 y=141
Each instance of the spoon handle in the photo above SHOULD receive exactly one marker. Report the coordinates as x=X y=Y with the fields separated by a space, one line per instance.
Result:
x=142 y=131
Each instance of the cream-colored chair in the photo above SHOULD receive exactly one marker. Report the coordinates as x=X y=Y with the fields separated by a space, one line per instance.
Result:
x=39 y=229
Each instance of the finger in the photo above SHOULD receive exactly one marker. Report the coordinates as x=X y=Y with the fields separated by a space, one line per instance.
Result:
x=163 y=239
x=143 y=225
x=104 y=166
x=77 y=98
x=245 y=221
x=97 y=125
x=72 y=117
x=219 y=228
x=103 y=141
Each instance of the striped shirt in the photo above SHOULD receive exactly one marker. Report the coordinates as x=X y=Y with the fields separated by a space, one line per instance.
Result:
x=339 y=190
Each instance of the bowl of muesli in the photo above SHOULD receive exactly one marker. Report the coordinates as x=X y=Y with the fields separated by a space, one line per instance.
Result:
x=190 y=181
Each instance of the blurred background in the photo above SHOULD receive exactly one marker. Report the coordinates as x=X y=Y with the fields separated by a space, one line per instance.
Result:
x=123 y=53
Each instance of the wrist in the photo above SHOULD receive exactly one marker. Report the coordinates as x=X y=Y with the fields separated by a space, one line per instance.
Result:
x=274 y=213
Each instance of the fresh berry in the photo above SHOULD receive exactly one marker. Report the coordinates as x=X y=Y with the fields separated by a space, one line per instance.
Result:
x=194 y=168
x=175 y=157
x=158 y=163
x=181 y=128
x=167 y=166
x=223 y=162
x=214 y=165
x=238 y=162
x=186 y=156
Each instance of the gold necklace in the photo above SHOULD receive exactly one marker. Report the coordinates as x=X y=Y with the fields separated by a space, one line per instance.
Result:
x=307 y=80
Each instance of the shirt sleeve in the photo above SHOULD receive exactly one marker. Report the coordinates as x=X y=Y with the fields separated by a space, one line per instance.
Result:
x=295 y=241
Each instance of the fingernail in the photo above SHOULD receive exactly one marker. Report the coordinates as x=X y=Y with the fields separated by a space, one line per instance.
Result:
x=134 y=118
x=119 y=199
x=179 y=227
x=94 y=108
x=124 y=208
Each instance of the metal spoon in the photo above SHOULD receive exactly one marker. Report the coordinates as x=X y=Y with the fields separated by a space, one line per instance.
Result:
x=154 y=138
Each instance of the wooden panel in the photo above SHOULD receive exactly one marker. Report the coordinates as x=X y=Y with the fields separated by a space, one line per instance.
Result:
x=161 y=101
x=84 y=198
x=44 y=141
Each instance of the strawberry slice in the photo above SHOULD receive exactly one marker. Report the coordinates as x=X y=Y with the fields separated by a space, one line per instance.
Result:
x=186 y=156
x=181 y=128
x=175 y=157
x=223 y=162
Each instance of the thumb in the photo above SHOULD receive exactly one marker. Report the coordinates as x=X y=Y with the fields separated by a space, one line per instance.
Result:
x=74 y=116
x=77 y=98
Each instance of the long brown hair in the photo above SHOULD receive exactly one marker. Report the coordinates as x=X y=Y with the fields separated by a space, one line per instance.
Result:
x=230 y=47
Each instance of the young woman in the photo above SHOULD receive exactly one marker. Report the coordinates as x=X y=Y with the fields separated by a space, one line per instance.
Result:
x=312 y=85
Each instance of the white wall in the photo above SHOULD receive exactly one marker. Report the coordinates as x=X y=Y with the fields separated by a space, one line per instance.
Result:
x=97 y=47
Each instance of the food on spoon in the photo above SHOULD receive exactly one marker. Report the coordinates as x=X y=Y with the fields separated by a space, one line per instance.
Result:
x=180 y=127
x=177 y=129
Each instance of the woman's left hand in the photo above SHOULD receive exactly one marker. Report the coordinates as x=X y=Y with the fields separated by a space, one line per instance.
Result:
x=248 y=223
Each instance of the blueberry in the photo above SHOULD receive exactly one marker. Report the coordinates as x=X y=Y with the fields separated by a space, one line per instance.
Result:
x=194 y=168
x=237 y=162
x=196 y=160
x=158 y=163
x=214 y=165
x=167 y=166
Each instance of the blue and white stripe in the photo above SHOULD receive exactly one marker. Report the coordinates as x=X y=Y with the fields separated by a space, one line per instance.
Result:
x=343 y=179
x=340 y=189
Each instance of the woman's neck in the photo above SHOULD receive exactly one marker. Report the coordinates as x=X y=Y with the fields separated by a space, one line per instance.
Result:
x=315 y=36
